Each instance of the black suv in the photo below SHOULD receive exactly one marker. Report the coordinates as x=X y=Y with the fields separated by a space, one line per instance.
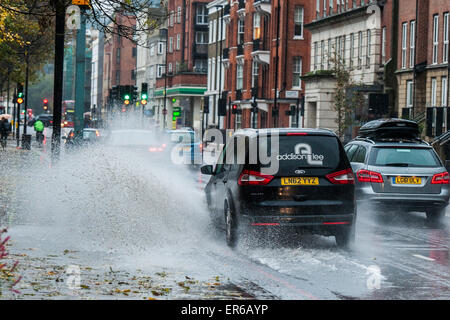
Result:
x=312 y=186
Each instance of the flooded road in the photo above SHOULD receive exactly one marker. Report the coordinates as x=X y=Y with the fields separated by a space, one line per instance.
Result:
x=119 y=223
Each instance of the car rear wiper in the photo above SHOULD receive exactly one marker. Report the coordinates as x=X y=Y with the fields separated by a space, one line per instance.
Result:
x=397 y=164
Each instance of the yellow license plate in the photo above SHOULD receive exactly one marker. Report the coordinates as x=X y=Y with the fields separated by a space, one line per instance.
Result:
x=407 y=180
x=295 y=181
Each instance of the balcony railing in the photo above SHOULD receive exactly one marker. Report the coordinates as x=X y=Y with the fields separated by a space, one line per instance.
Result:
x=226 y=10
x=241 y=4
x=200 y=49
x=259 y=45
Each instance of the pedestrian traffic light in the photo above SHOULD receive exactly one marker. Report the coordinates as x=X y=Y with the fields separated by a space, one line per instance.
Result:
x=176 y=113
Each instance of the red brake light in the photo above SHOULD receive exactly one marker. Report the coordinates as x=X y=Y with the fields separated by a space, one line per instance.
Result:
x=201 y=146
x=441 y=178
x=342 y=177
x=296 y=134
x=369 y=176
x=248 y=177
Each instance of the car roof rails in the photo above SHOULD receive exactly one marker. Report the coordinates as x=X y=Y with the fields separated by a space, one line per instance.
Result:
x=364 y=139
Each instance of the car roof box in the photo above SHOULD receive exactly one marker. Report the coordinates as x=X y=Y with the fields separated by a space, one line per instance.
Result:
x=390 y=129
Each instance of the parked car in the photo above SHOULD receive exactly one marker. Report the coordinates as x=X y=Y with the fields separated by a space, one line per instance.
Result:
x=395 y=170
x=313 y=187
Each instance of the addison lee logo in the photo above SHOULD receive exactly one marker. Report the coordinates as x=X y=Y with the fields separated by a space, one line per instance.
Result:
x=303 y=151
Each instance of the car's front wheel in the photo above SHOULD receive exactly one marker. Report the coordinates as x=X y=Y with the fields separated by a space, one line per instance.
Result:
x=435 y=215
x=230 y=226
x=345 y=237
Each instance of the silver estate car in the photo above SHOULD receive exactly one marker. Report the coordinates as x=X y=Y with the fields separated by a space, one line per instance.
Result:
x=399 y=174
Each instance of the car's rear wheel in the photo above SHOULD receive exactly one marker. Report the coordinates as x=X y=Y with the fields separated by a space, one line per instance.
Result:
x=435 y=215
x=345 y=237
x=230 y=226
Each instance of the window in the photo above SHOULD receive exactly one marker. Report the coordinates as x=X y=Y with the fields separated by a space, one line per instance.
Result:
x=118 y=55
x=369 y=44
x=409 y=94
x=238 y=120
x=255 y=70
x=316 y=54
x=133 y=51
x=209 y=76
x=171 y=44
x=239 y=76
x=298 y=22
x=200 y=37
x=170 y=68
x=240 y=38
x=297 y=72
x=161 y=70
x=325 y=7
x=133 y=74
x=152 y=72
x=178 y=41
x=329 y=54
x=360 y=44
x=202 y=14
x=352 y=48
x=256 y=25
x=404 y=35
x=152 y=49
x=224 y=28
x=435 y=38
x=433 y=92
x=342 y=49
x=444 y=92
x=322 y=54
x=412 y=44
x=160 y=47
x=445 y=47
x=383 y=46
x=171 y=18
x=179 y=15
x=117 y=77
x=317 y=9
x=360 y=155
x=201 y=65
x=214 y=31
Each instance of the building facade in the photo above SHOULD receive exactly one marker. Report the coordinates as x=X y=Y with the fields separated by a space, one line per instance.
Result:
x=97 y=75
x=423 y=65
x=266 y=53
x=357 y=37
x=119 y=63
x=181 y=83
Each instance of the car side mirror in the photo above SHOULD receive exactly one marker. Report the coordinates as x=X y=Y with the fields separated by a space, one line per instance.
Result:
x=207 y=169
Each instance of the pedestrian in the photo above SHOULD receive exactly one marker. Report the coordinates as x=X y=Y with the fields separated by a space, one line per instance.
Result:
x=5 y=129
x=39 y=128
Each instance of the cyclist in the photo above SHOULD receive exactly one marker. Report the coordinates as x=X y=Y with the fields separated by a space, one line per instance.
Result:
x=39 y=128
x=5 y=128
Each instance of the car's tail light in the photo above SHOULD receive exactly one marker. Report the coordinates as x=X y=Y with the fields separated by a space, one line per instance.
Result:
x=296 y=134
x=441 y=178
x=201 y=146
x=342 y=177
x=97 y=133
x=248 y=177
x=369 y=176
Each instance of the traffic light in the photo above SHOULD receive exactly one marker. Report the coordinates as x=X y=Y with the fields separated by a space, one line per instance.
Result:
x=144 y=94
x=134 y=94
x=206 y=105
x=45 y=104
x=114 y=93
x=125 y=94
x=234 y=109
x=176 y=113
x=20 y=94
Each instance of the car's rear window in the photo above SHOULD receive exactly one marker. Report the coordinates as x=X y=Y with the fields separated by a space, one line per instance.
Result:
x=407 y=157
x=306 y=152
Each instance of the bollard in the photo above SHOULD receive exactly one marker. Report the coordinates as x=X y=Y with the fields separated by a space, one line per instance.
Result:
x=26 y=141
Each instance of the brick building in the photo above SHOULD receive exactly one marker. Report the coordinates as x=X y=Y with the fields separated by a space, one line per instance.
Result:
x=423 y=64
x=182 y=81
x=360 y=36
x=257 y=65
x=119 y=61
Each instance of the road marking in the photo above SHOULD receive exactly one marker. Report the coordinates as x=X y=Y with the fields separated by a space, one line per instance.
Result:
x=423 y=257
